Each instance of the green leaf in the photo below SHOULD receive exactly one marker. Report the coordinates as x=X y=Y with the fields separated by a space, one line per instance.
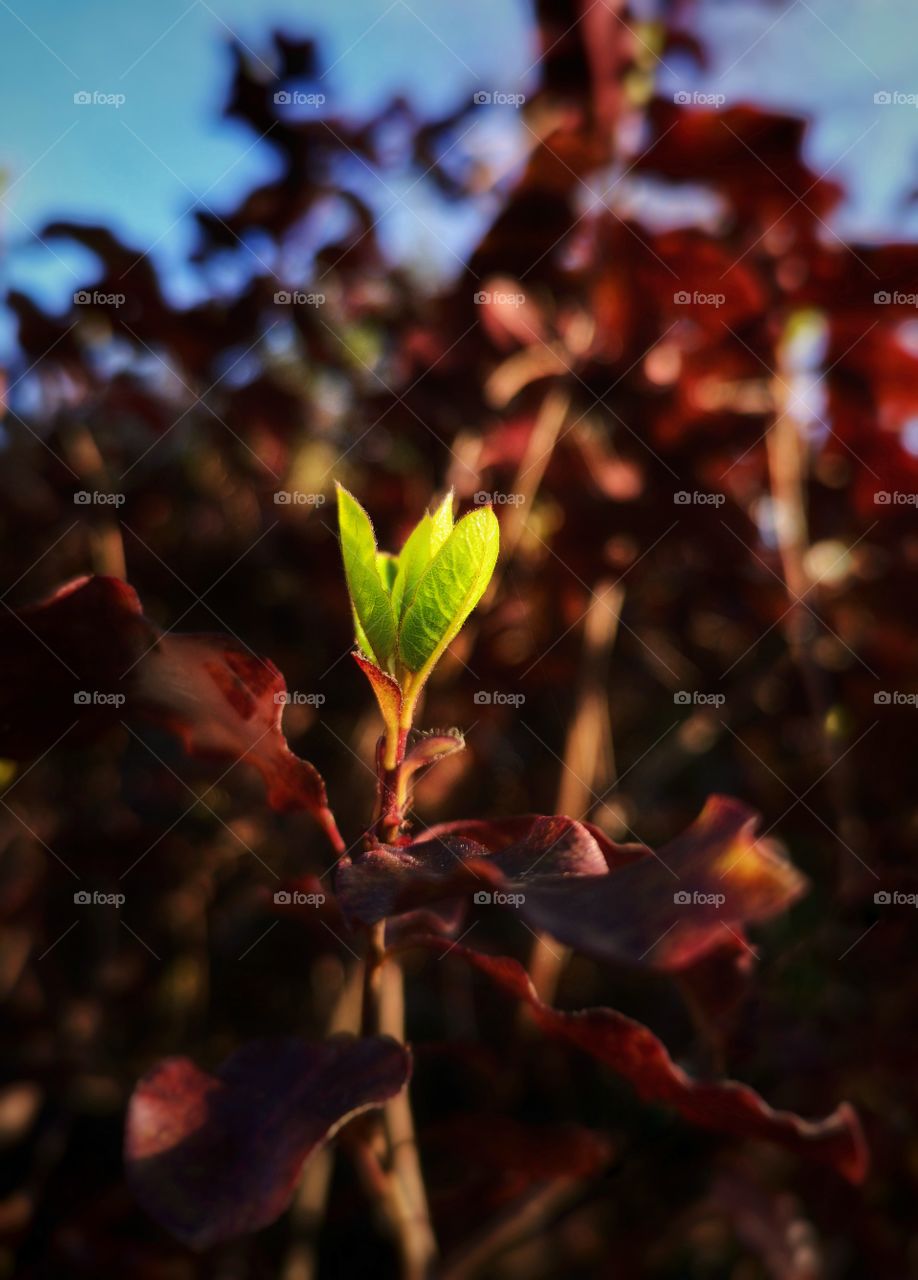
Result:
x=374 y=620
x=387 y=565
x=441 y=523
x=448 y=590
x=422 y=544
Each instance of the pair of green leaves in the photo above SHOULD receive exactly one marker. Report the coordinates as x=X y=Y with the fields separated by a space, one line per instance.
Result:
x=408 y=608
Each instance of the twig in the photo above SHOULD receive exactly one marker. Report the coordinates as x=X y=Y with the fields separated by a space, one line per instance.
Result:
x=307 y=1212
x=513 y=1227
x=400 y=1185
x=588 y=755
x=417 y=1241
x=787 y=464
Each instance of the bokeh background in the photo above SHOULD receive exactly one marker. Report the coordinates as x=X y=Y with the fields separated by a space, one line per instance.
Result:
x=646 y=276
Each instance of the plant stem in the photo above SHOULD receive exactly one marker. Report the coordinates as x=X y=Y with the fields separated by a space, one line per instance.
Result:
x=589 y=758
x=417 y=1242
x=384 y=1014
x=311 y=1198
x=787 y=455
x=371 y=1020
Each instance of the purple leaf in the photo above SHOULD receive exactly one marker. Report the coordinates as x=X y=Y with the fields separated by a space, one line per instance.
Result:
x=615 y=902
x=211 y=1157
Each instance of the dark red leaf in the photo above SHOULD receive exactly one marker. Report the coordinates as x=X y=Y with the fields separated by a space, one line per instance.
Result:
x=671 y=909
x=211 y=1157
x=635 y=1053
x=497 y=834
x=389 y=880
x=86 y=658
x=616 y=902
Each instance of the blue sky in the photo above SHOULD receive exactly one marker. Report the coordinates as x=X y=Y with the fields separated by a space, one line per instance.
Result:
x=141 y=166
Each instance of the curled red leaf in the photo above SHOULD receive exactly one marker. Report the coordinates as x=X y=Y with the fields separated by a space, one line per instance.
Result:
x=666 y=910
x=634 y=1052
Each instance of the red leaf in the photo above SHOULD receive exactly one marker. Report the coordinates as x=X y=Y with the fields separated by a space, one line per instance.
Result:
x=671 y=910
x=427 y=748
x=635 y=1053
x=389 y=880
x=211 y=1157
x=497 y=834
x=615 y=902
x=387 y=690
x=87 y=657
